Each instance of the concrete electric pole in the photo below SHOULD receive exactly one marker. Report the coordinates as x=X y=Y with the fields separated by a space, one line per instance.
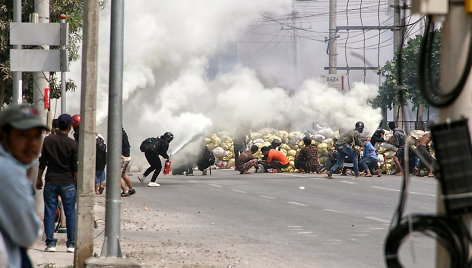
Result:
x=332 y=49
x=88 y=107
x=111 y=255
x=41 y=79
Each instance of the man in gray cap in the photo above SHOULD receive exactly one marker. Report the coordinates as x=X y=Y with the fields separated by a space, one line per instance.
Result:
x=21 y=130
x=60 y=155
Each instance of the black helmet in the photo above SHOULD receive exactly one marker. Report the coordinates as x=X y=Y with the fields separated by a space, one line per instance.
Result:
x=168 y=136
x=359 y=126
x=275 y=143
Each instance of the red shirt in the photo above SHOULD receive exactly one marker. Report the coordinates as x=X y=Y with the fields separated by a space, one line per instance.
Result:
x=277 y=155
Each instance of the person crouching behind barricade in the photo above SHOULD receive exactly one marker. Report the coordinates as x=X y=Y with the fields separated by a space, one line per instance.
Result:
x=275 y=159
x=307 y=159
x=247 y=160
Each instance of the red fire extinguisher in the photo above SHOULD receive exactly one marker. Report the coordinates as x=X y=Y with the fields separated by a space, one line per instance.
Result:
x=167 y=166
x=46 y=98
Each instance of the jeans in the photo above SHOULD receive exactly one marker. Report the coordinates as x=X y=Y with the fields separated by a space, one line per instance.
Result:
x=369 y=163
x=68 y=195
x=343 y=151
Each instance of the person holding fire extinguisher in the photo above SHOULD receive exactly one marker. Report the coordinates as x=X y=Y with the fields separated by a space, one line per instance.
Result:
x=152 y=156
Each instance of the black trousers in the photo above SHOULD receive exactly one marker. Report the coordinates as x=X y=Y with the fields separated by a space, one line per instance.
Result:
x=156 y=165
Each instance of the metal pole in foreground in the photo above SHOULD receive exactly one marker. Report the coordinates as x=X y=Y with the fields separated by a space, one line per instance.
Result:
x=88 y=107
x=17 y=76
x=111 y=255
x=111 y=247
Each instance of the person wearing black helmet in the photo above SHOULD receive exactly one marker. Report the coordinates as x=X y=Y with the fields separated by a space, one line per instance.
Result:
x=346 y=146
x=152 y=156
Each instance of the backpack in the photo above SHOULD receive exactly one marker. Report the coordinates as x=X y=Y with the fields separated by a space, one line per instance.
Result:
x=149 y=144
x=101 y=155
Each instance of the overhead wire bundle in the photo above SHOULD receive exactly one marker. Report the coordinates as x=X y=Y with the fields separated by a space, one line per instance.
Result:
x=432 y=93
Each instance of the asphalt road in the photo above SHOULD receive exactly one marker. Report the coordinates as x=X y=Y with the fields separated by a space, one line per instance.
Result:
x=293 y=220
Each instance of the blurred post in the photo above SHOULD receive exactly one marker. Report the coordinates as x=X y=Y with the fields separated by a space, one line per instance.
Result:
x=88 y=97
x=454 y=51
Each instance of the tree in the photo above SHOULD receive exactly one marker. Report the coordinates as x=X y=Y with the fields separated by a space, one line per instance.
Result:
x=388 y=95
x=73 y=10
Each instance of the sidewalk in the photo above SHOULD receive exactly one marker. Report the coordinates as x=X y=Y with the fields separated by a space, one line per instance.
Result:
x=61 y=258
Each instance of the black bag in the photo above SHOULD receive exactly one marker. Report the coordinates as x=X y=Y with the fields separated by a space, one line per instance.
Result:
x=149 y=144
x=101 y=156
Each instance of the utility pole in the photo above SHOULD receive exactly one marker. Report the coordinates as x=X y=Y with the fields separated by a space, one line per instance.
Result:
x=17 y=76
x=332 y=49
x=88 y=107
x=295 y=41
x=397 y=44
x=455 y=43
x=40 y=79
x=63 y=73
x=111 y=255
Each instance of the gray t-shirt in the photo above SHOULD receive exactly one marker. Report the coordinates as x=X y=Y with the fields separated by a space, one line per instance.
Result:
x=352 y=137
x=20 y=226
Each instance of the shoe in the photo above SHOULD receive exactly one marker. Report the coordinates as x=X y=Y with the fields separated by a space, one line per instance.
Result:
x=50 y=249
x=131 y=192
x=141 y=178
x=329 y=176
x=71 y=249
x=124 y=194
x=100 y=190
x=153 y=184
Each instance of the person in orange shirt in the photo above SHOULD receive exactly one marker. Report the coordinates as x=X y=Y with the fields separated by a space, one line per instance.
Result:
x=275 y=159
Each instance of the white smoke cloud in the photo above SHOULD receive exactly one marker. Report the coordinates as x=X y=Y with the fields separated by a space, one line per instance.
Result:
x=168 y=45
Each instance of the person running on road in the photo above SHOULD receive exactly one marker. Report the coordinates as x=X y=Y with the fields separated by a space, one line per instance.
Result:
x=152 y=156
x=126 y=185
x=345 y=146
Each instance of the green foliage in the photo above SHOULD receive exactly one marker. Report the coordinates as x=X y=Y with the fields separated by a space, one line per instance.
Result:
x=72 y=9
x=388 y=95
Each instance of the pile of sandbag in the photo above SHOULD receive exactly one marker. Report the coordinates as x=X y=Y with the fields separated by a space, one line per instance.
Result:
x=291 y=143
x=323 y=138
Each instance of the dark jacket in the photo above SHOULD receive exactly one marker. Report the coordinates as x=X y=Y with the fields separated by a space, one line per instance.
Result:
x=125 y=147
x=101 y=156
x=59 y=154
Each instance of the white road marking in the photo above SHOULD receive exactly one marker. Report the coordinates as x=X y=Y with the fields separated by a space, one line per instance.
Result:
x=268 y=197
x=396 y=190
x=376 y=228
x=360 y=235
x=349 y=182
x=377 y=219
x=215 y=185
x=297 y=204
x=239 y=191
x=294 y=226
x=304 y=232
x=335 y=211
x=192 y=181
